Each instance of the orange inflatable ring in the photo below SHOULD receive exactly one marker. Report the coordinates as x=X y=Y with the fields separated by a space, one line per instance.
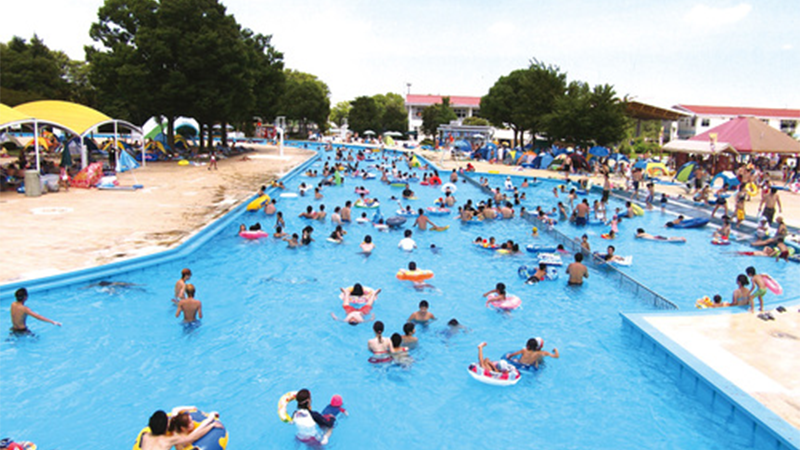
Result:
x=414 y=275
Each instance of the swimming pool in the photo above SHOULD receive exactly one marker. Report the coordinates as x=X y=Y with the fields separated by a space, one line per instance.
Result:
x=121 y=354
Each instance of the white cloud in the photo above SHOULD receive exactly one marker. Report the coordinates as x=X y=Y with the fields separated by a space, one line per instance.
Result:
x=708 y=16
x=503 y=29
x=787 y=47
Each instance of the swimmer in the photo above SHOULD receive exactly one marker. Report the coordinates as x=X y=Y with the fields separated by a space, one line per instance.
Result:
x=759 y=289
x=677 y=221
x=367 y=246
x=379 y=345
x=610 y=256
x=279 y=234
x=399 y=353
x=279 y=222
x=640 y=234
x=499 y=291
x=535 y=232
x=423 y=221
x=325 y=423
x=111 y=287
x=533 y=353
x=321 y=213
x=180 y=285
x=336 y=217
x=293 y=241
x=191 y=307
x=585 y=246
x=271 y=208
x=407 y=244
x=158 y=439
x=422 y=316
x=577 y=271
x=492 y=366
x=540 y=274
x=20 y=313
x=409 y=340
x=309 y=213
x=718 y=303
x=741 y=296
x=338 y=234
x=306 y=238
x=355 y=316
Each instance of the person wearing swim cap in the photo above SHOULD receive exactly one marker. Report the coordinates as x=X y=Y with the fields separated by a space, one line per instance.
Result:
x=532 y=354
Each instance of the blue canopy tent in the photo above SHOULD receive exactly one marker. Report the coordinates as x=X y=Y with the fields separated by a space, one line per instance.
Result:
x=641 y=164
x=542 y=161
x=726 y=177
x=598 y=152
x=462 y=146
x=618 y=157
x=488 y=151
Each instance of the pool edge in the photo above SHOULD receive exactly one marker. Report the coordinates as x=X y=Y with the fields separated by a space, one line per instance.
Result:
x=768 y=429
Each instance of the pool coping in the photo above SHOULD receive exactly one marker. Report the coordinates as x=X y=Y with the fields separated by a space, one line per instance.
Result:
x=182 y=250
x=768 y=428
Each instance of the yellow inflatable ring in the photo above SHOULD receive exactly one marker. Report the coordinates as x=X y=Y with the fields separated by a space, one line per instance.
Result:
x=751 y=189
x=282 y=403
x=703 y=303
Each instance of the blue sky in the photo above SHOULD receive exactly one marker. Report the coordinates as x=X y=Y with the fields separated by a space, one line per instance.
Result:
x=728 y=53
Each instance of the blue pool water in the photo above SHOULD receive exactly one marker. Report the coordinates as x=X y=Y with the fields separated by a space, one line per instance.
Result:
x=267 y=330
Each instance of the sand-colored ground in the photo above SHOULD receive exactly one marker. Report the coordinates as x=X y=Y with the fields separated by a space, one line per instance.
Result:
x=65 y=231
x=759 y=357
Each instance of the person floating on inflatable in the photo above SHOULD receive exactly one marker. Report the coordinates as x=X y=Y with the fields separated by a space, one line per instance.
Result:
x=641 y=234
x=354 y=316
x=532 y=355
x=416 y=276
x=155 y=437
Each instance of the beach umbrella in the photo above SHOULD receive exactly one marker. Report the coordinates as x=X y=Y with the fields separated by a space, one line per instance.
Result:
x=686 y=172
x=369 y=133
x=618 y=157
x=599 y=152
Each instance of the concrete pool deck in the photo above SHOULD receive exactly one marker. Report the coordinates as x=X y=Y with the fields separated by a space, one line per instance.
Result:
x=759 y=357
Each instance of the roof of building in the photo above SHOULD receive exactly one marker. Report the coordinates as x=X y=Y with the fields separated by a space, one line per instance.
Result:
x=751 y=135
x=643 y=111
x=735 y=111
x=455 y=100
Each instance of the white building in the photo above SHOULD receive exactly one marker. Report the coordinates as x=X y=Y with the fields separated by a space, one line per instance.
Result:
x=463 y=107
x=702 y=118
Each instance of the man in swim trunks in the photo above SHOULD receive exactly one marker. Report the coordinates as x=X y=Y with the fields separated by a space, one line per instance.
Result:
x=346 y=211
x=20 y=313
x=271 y=208
x=422 y=316
x=640 y=234
x=354 y=316
x=582 y=212
x=759 y=289
x=423 y=221
x=577 y=271
x=191 y=307
x=768 y=202
x=180 y=285
x=533 y=353
x=540 y=275
x=606 y=188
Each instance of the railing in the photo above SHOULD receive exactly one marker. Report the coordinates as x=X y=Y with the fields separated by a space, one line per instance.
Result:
x=623 y=280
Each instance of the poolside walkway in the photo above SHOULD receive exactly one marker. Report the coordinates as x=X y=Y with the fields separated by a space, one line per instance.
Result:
x=759 y=357
x=66 y=231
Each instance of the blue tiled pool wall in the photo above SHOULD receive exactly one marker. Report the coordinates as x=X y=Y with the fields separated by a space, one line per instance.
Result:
x=728 y=403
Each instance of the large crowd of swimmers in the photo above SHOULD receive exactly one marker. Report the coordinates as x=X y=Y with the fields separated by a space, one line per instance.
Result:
x=167 y=430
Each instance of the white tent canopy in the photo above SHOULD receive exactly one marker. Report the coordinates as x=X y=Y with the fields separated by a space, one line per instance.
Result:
x=699 y=147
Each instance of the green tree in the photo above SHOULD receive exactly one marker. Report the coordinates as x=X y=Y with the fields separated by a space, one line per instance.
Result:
x=31 y=71
x=268 y=77
x=306 y=101
x=435 y=115
x=364 y=115
x=340 y=112
x=475 y=121
x=524 y=99
x=392 y=112
x=587 y=116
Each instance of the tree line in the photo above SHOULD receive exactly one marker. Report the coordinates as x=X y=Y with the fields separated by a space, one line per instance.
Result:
x=168 y=58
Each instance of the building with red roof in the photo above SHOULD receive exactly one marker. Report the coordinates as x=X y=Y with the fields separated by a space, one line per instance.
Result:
x=700 y=119
x=462 y=105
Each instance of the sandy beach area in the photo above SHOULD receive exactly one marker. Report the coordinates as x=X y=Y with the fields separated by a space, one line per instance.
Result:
x=65 y=231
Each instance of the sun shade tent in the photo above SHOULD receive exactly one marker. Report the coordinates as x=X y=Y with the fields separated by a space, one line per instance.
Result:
x=699 y=147
x=751 y=135
x=77 y=119
x=10 y=117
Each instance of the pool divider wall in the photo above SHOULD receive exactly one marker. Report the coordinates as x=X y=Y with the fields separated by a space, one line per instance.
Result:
x=183 y=250
x=767 y=430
